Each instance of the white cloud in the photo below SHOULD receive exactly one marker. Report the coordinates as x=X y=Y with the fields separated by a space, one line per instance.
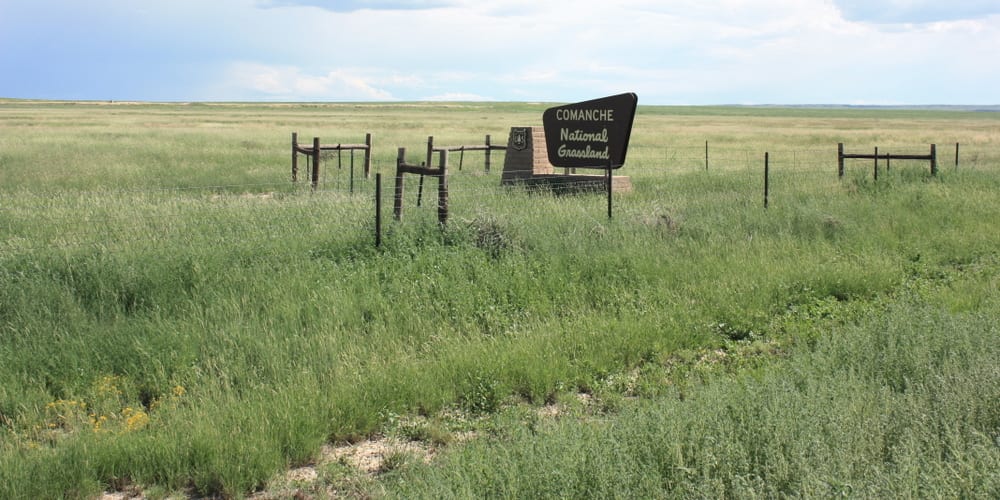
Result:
x=290 y=83
x=355 y=5
x=683 y=51
x=915 y=11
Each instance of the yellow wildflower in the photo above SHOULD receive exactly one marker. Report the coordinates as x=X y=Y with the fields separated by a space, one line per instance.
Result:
x=61 y=412
x=134 y=419
x=98 y=422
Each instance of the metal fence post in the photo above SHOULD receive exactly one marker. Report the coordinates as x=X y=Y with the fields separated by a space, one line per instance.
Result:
x=767 y=176
x=378 y=210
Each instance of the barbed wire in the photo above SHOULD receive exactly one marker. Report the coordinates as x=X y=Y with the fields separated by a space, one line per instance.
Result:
x=228 y=213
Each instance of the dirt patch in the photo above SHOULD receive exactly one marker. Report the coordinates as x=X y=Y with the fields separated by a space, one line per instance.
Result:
x=370 y=457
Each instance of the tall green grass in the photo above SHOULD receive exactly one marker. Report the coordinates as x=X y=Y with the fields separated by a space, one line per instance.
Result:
x=174 y=313
x=902 y=403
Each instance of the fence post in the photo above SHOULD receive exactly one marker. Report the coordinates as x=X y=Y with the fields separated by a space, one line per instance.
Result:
x=430 y=150
x=934 y=168
x=767 y=177
x=378 y=210
x=397 y=202
x=420 y=190
x=315 y=157
x=876 y=162
x=428 y=163
x=368 y=155
x=610 y=186
x=488 y=151
x=351 y=183
x=956 y=155
x=840 y=159
x=295 y=156
x=706 y=155
x=443 y=189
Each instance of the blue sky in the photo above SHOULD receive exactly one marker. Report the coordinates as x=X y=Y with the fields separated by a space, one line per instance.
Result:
x=668 y=52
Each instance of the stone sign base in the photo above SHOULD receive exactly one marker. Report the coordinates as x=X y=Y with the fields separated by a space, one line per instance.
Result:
x=526 y=155
x=527 y=163
x=564 y=183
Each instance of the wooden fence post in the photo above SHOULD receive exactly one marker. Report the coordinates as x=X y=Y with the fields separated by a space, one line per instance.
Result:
x=840 y=159
x=956 y=155
x=295 y=156
x=934 y=168
x=488 y=151
x=430 y=151
x=428 y=163
x=315 y=157
x=443 y=189
x=368 y=155
x=397 y=202
x=876 y=162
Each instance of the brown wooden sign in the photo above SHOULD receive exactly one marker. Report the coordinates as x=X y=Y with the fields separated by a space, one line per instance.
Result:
x=590 y=134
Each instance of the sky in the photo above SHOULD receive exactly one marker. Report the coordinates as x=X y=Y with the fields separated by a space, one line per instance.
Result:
x=683 y=52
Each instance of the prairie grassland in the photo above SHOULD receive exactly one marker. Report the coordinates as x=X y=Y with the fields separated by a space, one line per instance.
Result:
x=177 y=316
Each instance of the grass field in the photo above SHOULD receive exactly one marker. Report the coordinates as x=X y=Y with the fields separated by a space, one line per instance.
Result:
x=178 y=318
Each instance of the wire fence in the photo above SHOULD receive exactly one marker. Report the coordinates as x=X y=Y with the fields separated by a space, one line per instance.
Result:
x=271 y=214
x=715 y=157
x=188 y=216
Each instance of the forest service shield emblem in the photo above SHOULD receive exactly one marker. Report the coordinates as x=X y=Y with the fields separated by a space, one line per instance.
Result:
x=519 y=138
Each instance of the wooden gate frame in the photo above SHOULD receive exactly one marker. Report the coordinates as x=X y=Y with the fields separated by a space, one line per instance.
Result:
x=316 y=149
x=932 y=158
x=441 y=172
x=487 y=147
